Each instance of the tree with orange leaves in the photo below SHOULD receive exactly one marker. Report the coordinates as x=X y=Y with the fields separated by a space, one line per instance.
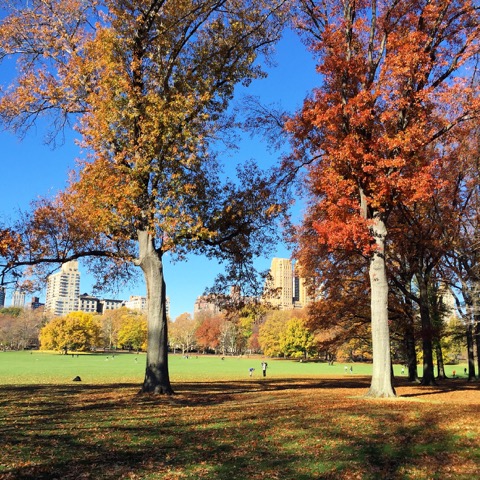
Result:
x=10 y=246
x=207 y=334
x=396 y=80
x=147 y=83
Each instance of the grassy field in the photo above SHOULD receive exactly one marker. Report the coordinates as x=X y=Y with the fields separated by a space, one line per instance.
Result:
x=303 y=422
x=37 y=367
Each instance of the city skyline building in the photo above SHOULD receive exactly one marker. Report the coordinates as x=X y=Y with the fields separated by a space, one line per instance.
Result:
x=35 y=303
x=280 y=284
x=3 y=295
x=206 y=304
x=63 y=290
x=18 y=299
x=137 y=302
x=286 y=289
x=88 y=303
x=106 y=304
x=301 y=297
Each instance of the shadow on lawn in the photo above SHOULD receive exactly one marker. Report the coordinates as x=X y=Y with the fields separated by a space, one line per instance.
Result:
x=442 y=387
x=108 y=432
x=217 y=392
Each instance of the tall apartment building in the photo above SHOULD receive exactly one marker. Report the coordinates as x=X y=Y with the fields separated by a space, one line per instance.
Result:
x=301 y=298
x=280 y=286
x=18 y=299
x=2 y=296
x=63 y=290
x=286 y=288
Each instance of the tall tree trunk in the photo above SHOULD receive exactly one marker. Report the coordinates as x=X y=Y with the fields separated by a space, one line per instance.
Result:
x=411 y=355
x=409 y=345
x=156 y=374
x=470 y=353
x=477 y=340
x=427 y=345
x=440 y=365
x=381 y=384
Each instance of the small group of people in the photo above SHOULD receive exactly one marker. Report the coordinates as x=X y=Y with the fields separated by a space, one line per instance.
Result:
x=264 y=369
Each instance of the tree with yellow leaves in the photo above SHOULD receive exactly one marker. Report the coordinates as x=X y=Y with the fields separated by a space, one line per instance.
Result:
x=77 y=331
x=133 y=331
x=147 y=84
x=296 y=340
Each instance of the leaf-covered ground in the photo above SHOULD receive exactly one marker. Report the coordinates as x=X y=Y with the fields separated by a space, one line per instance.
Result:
x=322 y=428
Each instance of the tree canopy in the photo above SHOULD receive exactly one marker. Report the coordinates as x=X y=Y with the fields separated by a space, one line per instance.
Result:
x=77 y=331
x=398 y=82
x=146 y=84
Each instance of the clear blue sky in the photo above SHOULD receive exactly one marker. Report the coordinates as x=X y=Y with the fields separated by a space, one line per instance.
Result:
x=29 y=169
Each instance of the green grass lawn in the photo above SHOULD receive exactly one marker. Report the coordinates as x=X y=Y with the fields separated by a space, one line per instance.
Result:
x=36 y=367
x=303 y=422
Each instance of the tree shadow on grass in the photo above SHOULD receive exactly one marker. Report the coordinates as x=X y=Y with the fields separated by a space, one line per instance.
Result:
x=223 y=430
x=212 y=392
x=223 y=446
x=400 y=450
x=442 y=387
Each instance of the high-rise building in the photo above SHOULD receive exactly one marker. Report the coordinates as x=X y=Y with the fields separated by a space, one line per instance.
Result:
x=279 y=291
x=301 y=297
x=18 y=299
x=2 y=296
x=63 y=290
x=35 y=303
x=286 y=288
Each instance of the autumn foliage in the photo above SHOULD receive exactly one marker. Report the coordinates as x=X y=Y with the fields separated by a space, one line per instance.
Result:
x=78 y=331
x=396 y=86
x=147 y=84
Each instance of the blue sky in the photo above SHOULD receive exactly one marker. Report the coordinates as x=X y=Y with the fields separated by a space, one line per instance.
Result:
x=29 y=169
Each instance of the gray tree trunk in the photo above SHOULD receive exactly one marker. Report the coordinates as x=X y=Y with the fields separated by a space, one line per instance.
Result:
x=440 y=365
x=411 y=353
x=157 y=378
x=470 y=352
x=477 y=341
x=381 y=384
x=428 y=377
x=409 y=342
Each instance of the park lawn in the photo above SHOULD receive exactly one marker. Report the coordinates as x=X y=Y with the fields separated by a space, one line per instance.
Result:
x=298 y=426
x=33 y=367
x=38 y=367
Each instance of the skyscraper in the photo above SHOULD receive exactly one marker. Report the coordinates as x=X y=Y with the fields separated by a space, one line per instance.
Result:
x=280 y=286
x=63 y=290
x=286 y=288
x=18 y=299
x=2 y=296
x=300 y=291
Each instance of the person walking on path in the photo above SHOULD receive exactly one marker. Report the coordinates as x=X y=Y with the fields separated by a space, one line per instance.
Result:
x=264 y=368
